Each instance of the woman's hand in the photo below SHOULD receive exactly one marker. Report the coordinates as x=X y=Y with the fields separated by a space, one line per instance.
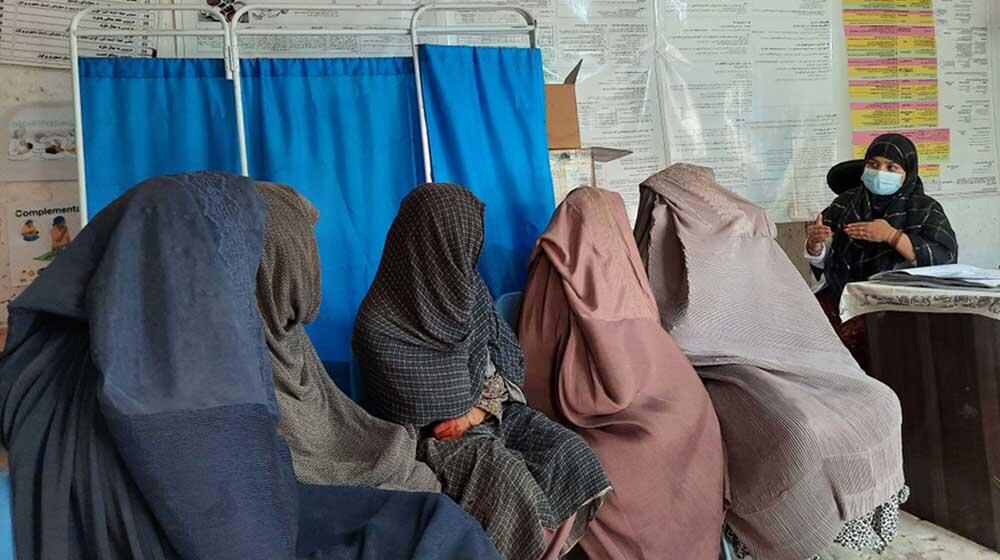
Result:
x=455 y=428
x=817 y=234
x=878 y=231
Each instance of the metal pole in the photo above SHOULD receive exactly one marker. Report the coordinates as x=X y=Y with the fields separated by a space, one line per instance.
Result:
x=529 y=27
x=81 y=167
x=425 y=142
x=74 y=61
x=233 y=58
x=234 y=47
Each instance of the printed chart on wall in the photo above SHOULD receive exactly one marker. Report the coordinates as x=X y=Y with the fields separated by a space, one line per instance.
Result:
x=615 y=40
x=263 y=45
x=748 y=89
x=35 y=32
x=923 y=69
x=36 y=234
x=616 y=93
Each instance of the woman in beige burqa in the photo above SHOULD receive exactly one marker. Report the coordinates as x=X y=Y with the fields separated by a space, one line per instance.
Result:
x=812 y=443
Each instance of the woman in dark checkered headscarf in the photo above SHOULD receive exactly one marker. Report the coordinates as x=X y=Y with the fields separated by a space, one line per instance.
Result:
x=435 y=354
x=881 y=220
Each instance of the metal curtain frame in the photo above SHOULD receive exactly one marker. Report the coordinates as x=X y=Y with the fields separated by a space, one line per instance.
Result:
x=75 y=34
x=414 y=31
x=529 y=27
x=230 y=33
x=235 y=31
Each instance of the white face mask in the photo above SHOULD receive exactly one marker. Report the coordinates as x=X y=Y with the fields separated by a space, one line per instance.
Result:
x=881 y=183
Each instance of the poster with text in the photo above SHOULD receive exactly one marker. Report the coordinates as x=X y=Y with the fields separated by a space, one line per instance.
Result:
x=41 y=142
x=37 y=233
x=36 y=32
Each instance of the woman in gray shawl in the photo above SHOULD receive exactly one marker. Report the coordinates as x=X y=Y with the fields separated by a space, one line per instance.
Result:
x=435 y=354
x=333 y=440
x=813 y=443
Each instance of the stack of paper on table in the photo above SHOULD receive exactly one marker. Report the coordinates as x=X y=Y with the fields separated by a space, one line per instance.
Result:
x=950 y=276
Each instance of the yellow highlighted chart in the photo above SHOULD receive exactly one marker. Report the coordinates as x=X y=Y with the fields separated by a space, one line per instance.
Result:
x=892 y=68
x=887 y=4
x=872 y=91
x=917 y=114
x=933 y=145
x=889 y=17
x=883 y=68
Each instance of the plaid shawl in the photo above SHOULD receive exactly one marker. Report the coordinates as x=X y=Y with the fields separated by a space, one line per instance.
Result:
x=423 y=330
x=918 y=215
x=423 y=337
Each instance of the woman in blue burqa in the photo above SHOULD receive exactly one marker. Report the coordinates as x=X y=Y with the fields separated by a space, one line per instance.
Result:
x=138 y=404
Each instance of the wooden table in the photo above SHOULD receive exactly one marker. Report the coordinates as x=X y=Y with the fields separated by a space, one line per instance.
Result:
x=944 y=363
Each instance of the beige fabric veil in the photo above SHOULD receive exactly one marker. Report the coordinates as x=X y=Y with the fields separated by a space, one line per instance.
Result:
x=598 y=361
x=812 y=441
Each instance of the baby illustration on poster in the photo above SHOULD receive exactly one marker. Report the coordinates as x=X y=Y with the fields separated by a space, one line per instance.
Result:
x=37 y=235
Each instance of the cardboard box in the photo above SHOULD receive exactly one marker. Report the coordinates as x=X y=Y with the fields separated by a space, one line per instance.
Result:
x=572 y=166
x=577 y=168
x=561 y=120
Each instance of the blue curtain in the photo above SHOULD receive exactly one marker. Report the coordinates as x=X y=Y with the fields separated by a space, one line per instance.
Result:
x=346 y=134
x=149 y=117
x=486 y=117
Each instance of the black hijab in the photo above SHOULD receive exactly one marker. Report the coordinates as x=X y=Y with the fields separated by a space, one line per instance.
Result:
x=424 y=329
x=910 y=210
x=901 y=150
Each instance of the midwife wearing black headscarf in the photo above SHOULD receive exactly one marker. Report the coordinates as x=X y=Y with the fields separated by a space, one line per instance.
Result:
x=881 y=220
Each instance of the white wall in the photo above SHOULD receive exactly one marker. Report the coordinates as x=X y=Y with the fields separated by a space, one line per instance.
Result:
x=20 y=85
x=977 y=220
x=977 y=225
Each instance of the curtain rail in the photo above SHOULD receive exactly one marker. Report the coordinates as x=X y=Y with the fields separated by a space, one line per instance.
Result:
x=231 y=32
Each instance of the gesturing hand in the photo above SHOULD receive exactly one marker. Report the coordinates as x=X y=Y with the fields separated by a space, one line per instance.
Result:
x=817 y=234
x=878 y=231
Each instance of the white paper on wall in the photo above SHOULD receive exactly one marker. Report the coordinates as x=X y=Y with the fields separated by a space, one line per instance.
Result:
x=756 y=89
x=41 y=142
x=36 y=32
x=37 y=233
